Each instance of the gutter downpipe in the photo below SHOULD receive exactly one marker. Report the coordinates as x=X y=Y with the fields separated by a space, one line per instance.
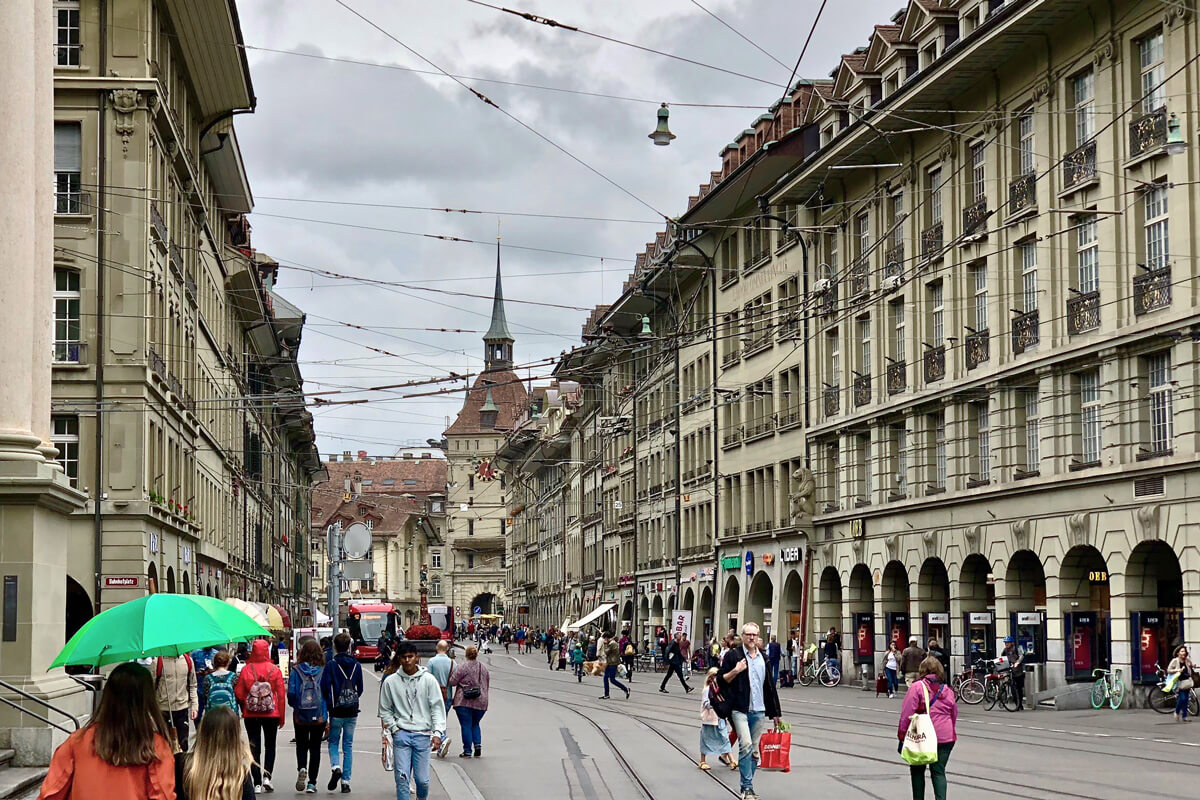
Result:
x=101 y=255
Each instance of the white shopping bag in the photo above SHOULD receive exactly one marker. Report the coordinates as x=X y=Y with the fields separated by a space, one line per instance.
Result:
x=921 y=742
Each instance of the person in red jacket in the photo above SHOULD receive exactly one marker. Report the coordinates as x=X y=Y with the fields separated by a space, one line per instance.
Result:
x=262 y=695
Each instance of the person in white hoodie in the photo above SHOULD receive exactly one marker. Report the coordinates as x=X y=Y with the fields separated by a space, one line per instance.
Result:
x=414 y=715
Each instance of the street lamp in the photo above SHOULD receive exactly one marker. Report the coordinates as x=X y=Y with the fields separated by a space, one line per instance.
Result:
x=1175 y=144
x=662 y=135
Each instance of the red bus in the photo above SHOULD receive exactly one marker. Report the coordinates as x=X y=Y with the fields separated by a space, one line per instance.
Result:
x=367 y=622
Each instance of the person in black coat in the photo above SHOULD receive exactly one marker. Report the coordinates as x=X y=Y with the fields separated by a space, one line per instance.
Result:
x=674 y=661
x=745 y=679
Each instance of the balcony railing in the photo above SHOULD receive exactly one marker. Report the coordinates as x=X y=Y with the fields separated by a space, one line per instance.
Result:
x=790 y=327
x=157 y=364
x=1083 y=312
x=833 y=395
x=860 y=278
x=893 y=262
x=1152 y=290
x=931 y=242
x=935 y=363
x=70 y=352
x=159 y=225
x=975 y=216
x=760 y=426
x=1025 y=332
x=1147 y=132
x=757 y=344
x=827 y=300
x=732 y=357
x=978 y=348
x=788 y=418
x=176 y=259
x=897 y=377
x=862 y=390
x=1079 y=166
x=1022 y=194
x=733 y=436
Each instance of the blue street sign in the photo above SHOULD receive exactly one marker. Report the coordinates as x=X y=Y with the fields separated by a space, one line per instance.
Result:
x=478 y=610
x=749 y=562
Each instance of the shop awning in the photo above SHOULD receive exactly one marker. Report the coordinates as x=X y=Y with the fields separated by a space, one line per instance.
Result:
x=600 y=611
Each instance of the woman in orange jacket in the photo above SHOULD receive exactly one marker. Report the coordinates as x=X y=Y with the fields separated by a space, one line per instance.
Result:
x=123 y=753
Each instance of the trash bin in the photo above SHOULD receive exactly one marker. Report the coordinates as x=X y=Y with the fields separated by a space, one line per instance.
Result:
x=93 y=684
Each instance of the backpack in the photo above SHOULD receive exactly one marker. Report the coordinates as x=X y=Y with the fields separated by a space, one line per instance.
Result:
x=220 y=692
x=721 y=705
x=261 y=698
x=347 y=696
x=310 y=692
x=158 y=669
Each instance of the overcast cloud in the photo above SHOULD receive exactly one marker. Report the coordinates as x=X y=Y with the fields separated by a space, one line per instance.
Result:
x=353 y=133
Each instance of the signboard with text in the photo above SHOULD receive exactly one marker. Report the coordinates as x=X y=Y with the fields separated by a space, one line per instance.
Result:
x=681 y=622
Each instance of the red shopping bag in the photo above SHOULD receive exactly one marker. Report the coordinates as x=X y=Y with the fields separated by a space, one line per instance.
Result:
x=775 y=750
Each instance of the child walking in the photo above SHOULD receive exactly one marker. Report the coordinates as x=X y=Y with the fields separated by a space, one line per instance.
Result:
x=714 y=732
x=220 y=685
x=218 y=767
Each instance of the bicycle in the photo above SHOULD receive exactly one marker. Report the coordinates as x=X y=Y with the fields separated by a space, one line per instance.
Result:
x=1108 y=688
x=967 y=687
x=825 y=673
x=1163 y=701
x=1002 y=693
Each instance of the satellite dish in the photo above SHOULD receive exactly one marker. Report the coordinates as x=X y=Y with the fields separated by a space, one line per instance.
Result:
x=356 y=540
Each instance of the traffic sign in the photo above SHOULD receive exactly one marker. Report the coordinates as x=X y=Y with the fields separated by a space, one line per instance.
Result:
x=478 y=610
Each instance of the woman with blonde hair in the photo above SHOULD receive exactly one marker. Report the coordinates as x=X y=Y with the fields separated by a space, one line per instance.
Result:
x=125 y=747
x=218 y=768
x=714 y=731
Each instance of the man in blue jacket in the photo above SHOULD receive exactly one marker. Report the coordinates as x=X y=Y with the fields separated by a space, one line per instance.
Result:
x=342 y=686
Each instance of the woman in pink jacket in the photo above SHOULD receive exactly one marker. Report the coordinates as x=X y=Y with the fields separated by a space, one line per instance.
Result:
x=943 y=712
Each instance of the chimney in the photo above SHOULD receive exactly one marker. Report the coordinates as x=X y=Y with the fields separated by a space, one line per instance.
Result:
x=362 y=455
x=333 y=458
x=347 y=455
x=426 y=455
x=357 y=484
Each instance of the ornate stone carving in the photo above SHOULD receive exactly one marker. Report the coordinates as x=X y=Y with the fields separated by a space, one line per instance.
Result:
x=1020 y=534
x=800 y=498
x=827 y=553
x=1043 y=90
x=930 y=540
x=1145 y=518
x=892 y=543
x=974 y=536
x=1079 y=528
x=125 y=103
x=1107 y=50
x=946 y=152
x=858 y=545
x=1177 y=12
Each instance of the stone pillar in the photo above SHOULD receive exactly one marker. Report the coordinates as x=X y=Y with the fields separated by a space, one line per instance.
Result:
x=35 y=497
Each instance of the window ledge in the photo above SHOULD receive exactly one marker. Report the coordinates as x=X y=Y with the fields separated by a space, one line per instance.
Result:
x=73 y=217
x=1153 y=454
x=1020 y=474
x=787 y=245
x=932 y=490
x=1077 y=466
x=1149 y=155
x=975 y=483
x=71 y=365
x=1079 y=187
x=725 y=284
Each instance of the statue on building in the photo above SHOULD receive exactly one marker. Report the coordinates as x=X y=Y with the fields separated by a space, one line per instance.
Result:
x=801 y=496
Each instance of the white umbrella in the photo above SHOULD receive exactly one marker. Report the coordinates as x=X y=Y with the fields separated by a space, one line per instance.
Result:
x=252 y=610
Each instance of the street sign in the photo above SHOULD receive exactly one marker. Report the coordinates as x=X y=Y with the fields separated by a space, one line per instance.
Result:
x=122 y=582
x=478 y=610
x=356 y=540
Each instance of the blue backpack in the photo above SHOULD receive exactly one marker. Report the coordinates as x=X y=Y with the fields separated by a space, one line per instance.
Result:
x=220 y=692
x=310 y=693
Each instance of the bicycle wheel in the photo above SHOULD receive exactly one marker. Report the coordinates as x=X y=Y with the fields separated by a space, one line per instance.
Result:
x=989 y=693
x=830 y=676
x=971 y=692
x=805 y=677
x=1117 y=695
x=1008 y=699
x=1194 y=705
x=1099 y=692
x=1161 y=700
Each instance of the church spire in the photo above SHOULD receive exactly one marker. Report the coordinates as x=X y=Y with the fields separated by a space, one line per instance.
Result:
x=498 y=342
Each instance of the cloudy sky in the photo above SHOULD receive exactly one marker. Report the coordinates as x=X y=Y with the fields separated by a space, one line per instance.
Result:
x=335 y=146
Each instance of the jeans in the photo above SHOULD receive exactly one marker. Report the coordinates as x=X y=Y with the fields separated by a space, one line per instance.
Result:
x=893 y=680
x=774 y=672
x=468 y=720
x=628 y=661
x=341 y=744
x=673 y=669
x=749 y=727
x=1181 y=702
x=308 y=747
x=937 y=774
x=411 y=752
x=261 y=732
x=610 y=676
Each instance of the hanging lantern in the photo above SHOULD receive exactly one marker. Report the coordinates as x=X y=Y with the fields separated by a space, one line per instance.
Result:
x=646 y=326
x=662 y=135
x=1175 y=143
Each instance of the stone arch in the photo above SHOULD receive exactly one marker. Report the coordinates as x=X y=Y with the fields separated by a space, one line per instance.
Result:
x=187 y=582
x=704 y=613
x=644 y=610
x=1085 y=598
x=975 y=591
x=627 y=612
x=152 y=586
x=791 y=604
x=759 y=601
x=79 y=608
x=656 y=610
x=933 y=597
x=860 y=594
x=1153 y=586
x=1024 y=581
x=170 y=580
x=485 y=602
x=730 y=603
x=827 y=610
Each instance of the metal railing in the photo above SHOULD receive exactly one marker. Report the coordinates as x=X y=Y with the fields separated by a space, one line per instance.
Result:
x=833 y=396
x=862 y=390
x=13 y=704
x=1026 y=332
x=931 y=241
x=935 y=363
x=1022 y=193
x=979 y=348
x=975 y=216
x=1083 y=312
x=897 y=377
x=1148 y=132
x=1152 y=290
x=1079 y=166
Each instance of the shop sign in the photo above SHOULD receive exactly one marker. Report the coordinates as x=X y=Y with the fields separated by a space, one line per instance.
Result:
x=789 y=555
x=857 y=531
x=749 y=562
x=980 y=618
x=731 y=562
x=1029 y=618
x=187 y=555
x=154 y=543
x=1098 y=576
x=768 y=559
x=940 y=618
x=122 y=582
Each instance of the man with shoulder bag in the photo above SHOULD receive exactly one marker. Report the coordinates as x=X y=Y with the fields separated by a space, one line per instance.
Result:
x=745 y=683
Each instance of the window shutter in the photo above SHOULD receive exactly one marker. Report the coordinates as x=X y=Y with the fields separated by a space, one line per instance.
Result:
x=68 y=147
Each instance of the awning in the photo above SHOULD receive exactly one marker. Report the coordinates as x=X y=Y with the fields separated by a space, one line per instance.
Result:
x=600 y=611
x=283 y=615
x=566 y=624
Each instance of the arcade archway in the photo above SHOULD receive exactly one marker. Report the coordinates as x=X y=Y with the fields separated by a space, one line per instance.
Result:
x=827 y=610
x=758 y=604
x=731 y=600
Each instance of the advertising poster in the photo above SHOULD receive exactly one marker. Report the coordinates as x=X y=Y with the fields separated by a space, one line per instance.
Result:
x=681 y=622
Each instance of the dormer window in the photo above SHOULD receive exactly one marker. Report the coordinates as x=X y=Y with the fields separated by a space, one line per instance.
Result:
x=890 y=84
x=929 y=55
x=826 y=135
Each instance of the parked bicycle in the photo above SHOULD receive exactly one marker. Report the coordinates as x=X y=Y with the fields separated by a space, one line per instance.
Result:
x=998 y=688
x=1163 y=701
x=826 y=673
x=1108 y=688
x=968 y=686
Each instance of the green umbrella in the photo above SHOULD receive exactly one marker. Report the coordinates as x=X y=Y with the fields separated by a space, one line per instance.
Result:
x=157 y=625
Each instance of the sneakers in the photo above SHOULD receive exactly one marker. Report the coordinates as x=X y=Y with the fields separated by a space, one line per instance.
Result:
x=312 y=789
x=479 y=752
x=748 y=794
x=334 y=778
x=258 y=788
x=345 y=787
x=301 y=779
x=465 y=755
x=445 y=748
x=603 y=697
x=267 y=787
x=626 y=693
x=664 y=691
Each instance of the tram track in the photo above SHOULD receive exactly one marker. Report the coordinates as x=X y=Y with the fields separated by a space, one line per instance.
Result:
x=971 y=781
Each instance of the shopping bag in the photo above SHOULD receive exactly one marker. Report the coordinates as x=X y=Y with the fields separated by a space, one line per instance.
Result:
x=388 y=754
x=1172 y=682
x=775 y=749
x=921 y=742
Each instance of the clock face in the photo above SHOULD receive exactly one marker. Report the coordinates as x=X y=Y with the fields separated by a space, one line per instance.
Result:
x=484 y=471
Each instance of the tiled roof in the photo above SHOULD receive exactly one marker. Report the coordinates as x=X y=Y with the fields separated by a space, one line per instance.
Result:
x=889 y=33
x=390 y=476
x=388 y=513
x=508 y=393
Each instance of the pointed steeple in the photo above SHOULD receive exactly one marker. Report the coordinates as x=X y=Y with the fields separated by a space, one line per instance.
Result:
x=498 y=342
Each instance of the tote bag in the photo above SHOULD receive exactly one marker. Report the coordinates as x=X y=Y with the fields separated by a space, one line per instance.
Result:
x=921 y=742
x=775 y=749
